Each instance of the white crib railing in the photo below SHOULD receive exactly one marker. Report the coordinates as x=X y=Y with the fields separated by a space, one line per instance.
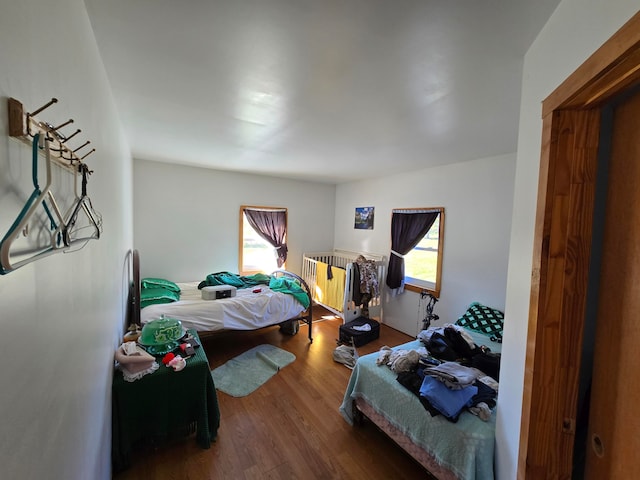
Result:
x=345 y=259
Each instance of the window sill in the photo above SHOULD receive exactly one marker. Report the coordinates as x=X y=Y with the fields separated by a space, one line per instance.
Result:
x=419 y=289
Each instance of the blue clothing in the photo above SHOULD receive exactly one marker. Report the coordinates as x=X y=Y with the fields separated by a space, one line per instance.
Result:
x=448 y=402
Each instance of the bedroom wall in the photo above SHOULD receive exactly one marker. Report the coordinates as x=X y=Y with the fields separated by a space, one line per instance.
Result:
x=477 y=197
x=187 y=218
x=61 y=317
x=552 y=58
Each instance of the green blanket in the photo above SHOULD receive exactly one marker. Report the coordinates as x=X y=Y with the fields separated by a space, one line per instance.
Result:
x=238 y=281
x=279 y=284
x=286 y=285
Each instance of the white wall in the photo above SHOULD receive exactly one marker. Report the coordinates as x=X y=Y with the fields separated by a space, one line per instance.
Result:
x=187 y=218
x=573 y=33
x=60 y=317
x=477 y=197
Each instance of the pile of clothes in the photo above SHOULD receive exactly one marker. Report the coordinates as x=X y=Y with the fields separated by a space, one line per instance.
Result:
x=449 y=375
x=450 y=388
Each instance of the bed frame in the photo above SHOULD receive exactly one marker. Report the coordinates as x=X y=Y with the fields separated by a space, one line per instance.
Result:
x=362 y=410
x=344 y=259
x=134 y=297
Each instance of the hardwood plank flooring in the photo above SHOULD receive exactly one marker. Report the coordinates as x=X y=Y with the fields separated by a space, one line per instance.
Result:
x=290 y=427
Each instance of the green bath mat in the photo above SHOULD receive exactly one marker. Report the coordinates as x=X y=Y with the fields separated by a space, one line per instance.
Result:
x=245 y=373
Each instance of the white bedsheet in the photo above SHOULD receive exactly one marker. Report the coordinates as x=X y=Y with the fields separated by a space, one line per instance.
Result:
x=245 y=311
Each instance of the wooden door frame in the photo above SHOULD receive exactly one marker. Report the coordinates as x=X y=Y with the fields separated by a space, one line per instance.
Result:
x=562 y=251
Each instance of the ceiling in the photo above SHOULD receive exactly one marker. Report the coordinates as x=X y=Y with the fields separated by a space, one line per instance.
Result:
x=325 y=91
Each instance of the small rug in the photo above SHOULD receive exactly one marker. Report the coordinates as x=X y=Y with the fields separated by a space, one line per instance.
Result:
x=245 y=373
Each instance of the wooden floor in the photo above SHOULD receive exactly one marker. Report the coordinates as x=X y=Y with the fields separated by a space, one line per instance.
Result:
x=290 y=427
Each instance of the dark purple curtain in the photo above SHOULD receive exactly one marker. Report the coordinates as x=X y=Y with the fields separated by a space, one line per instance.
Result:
x=407 y=229
x=272 y=226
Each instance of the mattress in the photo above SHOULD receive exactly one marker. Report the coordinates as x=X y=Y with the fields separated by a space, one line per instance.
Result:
x=248 y=310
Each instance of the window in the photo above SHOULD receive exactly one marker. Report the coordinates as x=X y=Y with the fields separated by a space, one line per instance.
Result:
x=416 y=253
x=421 y=264
x=263 y=232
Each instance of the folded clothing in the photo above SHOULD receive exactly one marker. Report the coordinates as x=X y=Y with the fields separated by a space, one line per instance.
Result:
x=447 y=401
x=485 y=398
x=453 y=375
x=134 y=362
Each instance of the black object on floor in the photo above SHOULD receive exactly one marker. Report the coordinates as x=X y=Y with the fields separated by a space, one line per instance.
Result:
x=359 y=331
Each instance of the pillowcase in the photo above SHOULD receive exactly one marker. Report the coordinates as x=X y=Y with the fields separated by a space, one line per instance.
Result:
x=160 y=283
x=483 y=319
x=152 y=296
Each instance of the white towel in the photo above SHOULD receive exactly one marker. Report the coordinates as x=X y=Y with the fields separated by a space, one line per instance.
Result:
x=362 y=328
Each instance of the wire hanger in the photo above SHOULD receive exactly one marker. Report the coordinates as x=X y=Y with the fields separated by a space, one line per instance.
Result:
x=72 y=231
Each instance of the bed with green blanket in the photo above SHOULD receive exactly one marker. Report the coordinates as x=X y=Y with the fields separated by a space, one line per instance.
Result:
x=282 y=298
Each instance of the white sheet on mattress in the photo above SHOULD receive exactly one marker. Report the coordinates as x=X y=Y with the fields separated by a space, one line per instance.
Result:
x=245 y=311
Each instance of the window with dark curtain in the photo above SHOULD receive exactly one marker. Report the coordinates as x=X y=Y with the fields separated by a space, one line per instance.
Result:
x=272 y=226
x=407 y=229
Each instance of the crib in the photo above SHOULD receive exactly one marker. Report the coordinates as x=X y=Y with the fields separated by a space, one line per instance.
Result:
x=336 y=295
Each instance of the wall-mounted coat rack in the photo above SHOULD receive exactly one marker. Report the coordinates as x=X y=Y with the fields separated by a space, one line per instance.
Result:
x=41 y=228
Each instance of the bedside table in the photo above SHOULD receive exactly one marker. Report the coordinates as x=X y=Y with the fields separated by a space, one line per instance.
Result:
x=162 y=405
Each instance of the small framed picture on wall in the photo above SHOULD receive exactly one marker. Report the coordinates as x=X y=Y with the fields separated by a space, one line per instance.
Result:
x=364 y=218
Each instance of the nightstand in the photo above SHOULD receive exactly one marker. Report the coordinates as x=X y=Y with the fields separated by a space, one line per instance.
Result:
x=163 y=405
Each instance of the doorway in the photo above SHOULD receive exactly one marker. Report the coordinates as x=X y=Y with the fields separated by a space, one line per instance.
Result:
x=572 y=121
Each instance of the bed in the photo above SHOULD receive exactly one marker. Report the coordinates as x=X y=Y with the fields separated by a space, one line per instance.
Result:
x=249 y=309
x=339 y=293
x=463 y=450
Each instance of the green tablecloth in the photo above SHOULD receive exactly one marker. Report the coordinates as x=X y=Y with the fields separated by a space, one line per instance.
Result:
x=162 y=405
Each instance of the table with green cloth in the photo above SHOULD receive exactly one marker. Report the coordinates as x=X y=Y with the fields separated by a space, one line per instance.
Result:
x=163 y=405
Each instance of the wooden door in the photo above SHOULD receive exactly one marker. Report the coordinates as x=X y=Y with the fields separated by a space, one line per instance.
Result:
x=560 y=275
x=613 y=441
